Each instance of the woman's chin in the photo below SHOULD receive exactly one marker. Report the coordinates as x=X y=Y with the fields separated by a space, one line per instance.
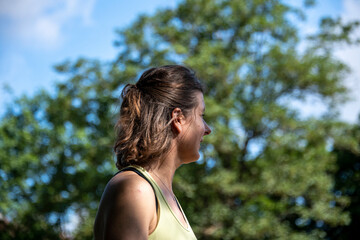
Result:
x=193 y=159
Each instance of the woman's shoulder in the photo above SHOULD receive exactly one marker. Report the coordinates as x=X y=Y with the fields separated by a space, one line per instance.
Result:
x=130 y=184
x=128 y=202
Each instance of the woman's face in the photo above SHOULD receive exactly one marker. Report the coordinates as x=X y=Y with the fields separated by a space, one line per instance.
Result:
x=195 y=128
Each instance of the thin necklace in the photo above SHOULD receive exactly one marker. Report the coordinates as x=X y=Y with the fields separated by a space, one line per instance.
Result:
x=173 y=195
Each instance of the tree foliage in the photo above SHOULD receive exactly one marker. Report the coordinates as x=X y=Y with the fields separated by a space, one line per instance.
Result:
x=266 y=172
x=347 y=181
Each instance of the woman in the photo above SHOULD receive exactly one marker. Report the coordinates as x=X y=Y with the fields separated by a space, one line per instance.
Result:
x=160 y=128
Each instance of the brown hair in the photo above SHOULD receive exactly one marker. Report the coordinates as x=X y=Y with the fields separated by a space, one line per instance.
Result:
x=143 y=131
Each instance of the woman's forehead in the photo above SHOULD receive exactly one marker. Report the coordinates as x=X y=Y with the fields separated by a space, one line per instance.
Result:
x=200 y=101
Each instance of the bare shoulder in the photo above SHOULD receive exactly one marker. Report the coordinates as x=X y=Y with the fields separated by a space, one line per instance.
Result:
x=127 y=208
x=128 y=184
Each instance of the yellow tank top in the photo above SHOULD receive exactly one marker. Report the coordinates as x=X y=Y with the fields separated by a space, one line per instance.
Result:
x=168 y=226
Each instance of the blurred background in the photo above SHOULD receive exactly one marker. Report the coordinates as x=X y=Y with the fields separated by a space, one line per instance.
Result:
x=283 y=83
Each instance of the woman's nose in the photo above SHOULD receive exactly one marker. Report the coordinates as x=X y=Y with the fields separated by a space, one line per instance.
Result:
x=207 y=129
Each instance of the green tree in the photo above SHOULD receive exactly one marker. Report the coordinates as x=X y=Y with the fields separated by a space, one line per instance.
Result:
x=266 y=173
x=347 y=181
x=56 y=151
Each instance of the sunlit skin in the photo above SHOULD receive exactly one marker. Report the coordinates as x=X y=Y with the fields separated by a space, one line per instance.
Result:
x=128 y=207
x=192 y=132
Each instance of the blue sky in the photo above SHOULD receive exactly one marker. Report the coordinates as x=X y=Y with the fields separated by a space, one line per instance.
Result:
x=36 y=34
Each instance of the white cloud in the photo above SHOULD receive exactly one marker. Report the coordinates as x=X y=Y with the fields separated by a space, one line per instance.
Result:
x=40 y=22
x=351 y=9
x=351 y=56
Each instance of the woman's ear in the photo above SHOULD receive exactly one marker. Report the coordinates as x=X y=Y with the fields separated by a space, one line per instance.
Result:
x=178 y=120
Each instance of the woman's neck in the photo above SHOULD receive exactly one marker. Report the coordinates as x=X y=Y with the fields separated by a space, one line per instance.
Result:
x=164 y=171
